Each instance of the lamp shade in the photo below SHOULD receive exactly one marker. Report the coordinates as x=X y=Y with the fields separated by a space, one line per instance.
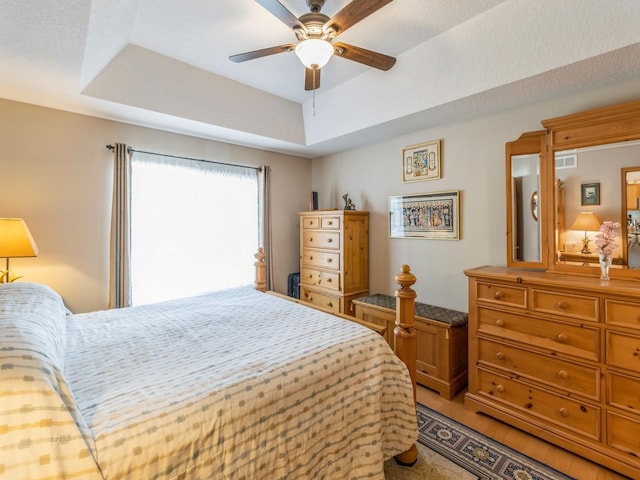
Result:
x=16 y=239
x=587 y=222
x=314 y=52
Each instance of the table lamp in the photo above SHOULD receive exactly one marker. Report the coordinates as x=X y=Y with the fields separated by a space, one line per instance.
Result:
x=15 y=241
x=588 y=222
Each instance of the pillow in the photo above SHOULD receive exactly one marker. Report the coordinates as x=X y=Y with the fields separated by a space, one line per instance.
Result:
x=33 y=322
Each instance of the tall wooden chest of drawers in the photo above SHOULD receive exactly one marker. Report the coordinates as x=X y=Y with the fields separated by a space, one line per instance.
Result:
x=559 y=356
x=334 y=258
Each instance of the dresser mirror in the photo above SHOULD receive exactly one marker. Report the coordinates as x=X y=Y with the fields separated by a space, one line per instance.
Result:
x=595 y=164
x=526 y=234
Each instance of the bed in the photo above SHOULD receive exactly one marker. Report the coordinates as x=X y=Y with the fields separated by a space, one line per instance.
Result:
x=235 y=384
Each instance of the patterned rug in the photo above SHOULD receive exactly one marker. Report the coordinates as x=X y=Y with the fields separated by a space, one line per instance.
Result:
x=456 y=452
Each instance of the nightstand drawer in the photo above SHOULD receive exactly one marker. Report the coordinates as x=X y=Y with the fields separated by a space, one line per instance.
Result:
x=568 y=306
x=315 y=239
x=566 y=338
x=502 y=294
x=320 y=278
x=546 y=407
x=315 y=258
x=625 y=314
x=579 y=379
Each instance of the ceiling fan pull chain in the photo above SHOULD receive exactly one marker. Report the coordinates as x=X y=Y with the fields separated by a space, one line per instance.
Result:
x=314 y=94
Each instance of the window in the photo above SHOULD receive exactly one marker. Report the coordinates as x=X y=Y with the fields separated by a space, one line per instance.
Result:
x=191 y=224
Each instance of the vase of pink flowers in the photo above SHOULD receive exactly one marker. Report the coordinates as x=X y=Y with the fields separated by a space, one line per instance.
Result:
x=605 y=241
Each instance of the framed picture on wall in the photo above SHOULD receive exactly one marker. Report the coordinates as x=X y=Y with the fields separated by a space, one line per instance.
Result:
x=590 y=193
x=421 y=162
x=425 y=215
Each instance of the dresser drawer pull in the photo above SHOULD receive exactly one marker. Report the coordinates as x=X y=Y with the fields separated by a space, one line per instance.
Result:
x=329 y=240
x=330 y=222
x=310 y=239
x=330 y=305
x=500 y=322
x=562 y=338
x=500 y=356
x=563 y=374
x=563 y=412
x=562 y=305
x=498 y=295
x=500 y=388
x=328 y=280
x=329 y=260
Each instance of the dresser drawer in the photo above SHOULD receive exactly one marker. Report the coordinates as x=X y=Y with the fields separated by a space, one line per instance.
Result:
x=566 y=338
x=567 y=413
x=623 y=351
x=330 y=223
x=625 y=314
x=317 y=239
x=315 y=258
x=502 y=294
x=580 y=379
x=310 y=223
x=320 y=278
x=623 y=433
x=568 y=306
x=623 y=391
x=318 y=299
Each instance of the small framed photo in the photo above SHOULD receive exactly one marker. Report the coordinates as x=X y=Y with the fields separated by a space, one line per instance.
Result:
x=425 y=215
x=590 y=194
x=421 y=162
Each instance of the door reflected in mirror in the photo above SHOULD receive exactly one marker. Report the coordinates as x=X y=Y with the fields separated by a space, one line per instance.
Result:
x=631 y=178
x=525 y=178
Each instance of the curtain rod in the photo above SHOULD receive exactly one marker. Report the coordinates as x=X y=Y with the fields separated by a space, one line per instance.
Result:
x=130 y=149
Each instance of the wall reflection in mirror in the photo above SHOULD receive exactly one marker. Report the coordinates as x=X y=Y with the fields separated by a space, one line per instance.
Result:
x=525 y=177
x=594 y=185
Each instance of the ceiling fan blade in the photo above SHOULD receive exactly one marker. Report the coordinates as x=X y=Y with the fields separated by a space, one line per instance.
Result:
x=243 y=57
x=282 y=13
x=311 y=78
x=364 y=56
x=352 y=14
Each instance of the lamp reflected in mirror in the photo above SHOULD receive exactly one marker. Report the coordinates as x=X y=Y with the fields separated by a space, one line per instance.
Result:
x=587 y=222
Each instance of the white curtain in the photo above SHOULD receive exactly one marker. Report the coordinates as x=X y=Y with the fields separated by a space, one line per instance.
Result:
x=195 y=226
x=120 y=245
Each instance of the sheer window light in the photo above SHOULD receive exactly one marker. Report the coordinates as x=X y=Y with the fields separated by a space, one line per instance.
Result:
x=194 y=227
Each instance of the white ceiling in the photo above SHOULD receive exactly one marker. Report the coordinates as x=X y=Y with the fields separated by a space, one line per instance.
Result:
x=164 y=64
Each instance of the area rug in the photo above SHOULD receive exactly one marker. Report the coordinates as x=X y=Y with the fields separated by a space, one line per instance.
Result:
x=449 y=450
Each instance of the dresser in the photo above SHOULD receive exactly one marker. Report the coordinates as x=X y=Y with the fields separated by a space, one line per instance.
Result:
x=558 y=355
x=334 y=258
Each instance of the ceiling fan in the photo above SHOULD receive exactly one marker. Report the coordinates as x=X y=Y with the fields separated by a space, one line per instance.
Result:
x=315 y=32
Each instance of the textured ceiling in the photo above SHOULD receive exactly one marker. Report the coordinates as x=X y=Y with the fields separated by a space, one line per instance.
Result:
x=164 y=64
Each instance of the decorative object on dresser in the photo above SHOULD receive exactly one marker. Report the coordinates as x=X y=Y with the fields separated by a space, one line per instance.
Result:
x=555 y=351
x=15 y=241
x=334 y=258
x=421 y=162
x=425 y=215
x=441 y=337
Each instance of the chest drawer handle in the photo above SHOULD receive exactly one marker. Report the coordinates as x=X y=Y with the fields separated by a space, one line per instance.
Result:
x=562 y=337
x=329 y=240
x=328 y=280
x=563 y=412
x=500 y=356
x=562 y=305
x=500 y=322
x=563 y=374
x=329 y=260
x=500 y=388
x=310 y=239
x=330 y=222
x=498 y=295
x=330 y=305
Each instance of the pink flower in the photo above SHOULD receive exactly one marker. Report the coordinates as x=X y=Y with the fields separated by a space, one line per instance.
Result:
x=605 y=240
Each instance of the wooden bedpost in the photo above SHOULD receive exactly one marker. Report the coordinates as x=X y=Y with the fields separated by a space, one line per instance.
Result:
x=261 y=271
x=406 y=346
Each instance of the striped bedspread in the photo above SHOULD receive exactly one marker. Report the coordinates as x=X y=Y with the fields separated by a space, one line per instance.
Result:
x=228 y=385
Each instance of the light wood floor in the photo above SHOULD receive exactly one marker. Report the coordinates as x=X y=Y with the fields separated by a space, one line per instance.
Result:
x=540 y=450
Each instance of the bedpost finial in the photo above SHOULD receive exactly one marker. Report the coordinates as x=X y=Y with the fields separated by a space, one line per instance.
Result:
x=405 y=278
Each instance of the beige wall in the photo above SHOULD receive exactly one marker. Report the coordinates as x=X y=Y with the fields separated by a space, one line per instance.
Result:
x=57 y=174
x=474 y=163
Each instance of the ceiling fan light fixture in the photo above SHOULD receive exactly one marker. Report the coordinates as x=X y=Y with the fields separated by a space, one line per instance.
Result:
x=314 y=52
